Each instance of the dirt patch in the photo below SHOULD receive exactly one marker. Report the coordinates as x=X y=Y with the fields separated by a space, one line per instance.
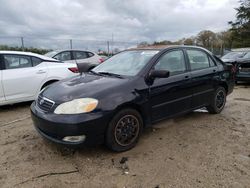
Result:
x=195 y=150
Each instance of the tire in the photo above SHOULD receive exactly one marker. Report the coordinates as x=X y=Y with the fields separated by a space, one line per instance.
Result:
x=124 y=130
x=218 y=101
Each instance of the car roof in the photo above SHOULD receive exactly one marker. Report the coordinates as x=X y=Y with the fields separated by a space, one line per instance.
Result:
x=164 y=47
x=29 y=54
x=62 y=50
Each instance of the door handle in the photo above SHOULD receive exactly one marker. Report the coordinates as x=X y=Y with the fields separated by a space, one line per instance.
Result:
x=186 y=77
x=41 y=72
x=214 y=70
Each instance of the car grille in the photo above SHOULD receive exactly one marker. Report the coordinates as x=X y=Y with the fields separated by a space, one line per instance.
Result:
x=45 y=104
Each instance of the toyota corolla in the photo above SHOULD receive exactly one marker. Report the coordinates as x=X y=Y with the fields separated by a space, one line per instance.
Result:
x=132 y=90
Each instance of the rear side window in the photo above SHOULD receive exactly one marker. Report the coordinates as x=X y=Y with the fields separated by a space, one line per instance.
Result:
x=17 y=61
x=36 y=61
x=80 y=55
x=63 y=56
x=212 y=63
x=173 y=62
x=90 y=54
x=198 y=59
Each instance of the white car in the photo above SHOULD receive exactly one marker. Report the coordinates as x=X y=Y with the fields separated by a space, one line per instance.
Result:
x=76 y=56
x=24 y=74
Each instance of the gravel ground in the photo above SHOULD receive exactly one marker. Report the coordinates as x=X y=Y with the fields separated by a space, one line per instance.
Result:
x=195 y=150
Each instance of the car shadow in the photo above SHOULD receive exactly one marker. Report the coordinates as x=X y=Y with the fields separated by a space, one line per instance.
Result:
x=243 y=84
x=13 y=107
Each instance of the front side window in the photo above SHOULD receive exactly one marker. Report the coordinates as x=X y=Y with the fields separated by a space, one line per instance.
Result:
x=198 y=59
x=173 y=61
x=63 y=56
x=128 y=63
x=80 y=55
x=16 y=61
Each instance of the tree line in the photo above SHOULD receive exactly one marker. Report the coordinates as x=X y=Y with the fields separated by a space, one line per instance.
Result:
x=30 y=49
x=238 y=36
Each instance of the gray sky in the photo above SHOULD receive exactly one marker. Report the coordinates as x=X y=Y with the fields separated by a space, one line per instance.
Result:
x=128 y=20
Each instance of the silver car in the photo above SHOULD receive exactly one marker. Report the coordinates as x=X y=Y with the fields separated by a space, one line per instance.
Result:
x=233 y=56
x=76 y=56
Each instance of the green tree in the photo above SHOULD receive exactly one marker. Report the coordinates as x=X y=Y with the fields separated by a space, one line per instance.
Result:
x=189 y=41
x=206 y=38
x=241 y=26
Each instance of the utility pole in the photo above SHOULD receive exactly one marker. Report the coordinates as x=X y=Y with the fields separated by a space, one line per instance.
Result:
x=22 y=43
x=112 y=50
x=70 y=41
x=108 y=47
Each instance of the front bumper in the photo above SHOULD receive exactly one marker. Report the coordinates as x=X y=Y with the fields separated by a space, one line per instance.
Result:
x=55 y=127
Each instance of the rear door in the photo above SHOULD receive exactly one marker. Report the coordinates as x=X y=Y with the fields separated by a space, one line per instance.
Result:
x=85 y=57
x=204 y=75
x=172 y=95
x=65 y=56
x=22 y=77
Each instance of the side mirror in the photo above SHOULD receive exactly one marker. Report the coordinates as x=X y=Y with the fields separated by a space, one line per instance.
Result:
x=85 y=67
x=159 y=74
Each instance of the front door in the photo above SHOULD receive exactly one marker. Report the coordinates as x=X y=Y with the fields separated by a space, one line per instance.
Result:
x=20 y=79
x=2 y=98
x=172 y=95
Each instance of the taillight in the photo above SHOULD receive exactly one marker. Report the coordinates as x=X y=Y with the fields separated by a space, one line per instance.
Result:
x=101 y=60
x=74 y=69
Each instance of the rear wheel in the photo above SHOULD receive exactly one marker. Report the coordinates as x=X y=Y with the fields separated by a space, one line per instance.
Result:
x=218 y=101
x=124 y=130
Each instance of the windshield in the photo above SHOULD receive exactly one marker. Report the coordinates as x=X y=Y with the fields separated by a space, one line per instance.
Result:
x=51 y=54
x=233 y=55
x=127 y=63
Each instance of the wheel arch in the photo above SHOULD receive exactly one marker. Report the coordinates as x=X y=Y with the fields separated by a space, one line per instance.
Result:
x=139 y=109
x=48 y=82
x=224 y=85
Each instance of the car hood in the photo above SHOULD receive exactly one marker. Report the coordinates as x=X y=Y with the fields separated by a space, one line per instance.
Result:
x=227 y=60
x=246 y=60
x=87 y=85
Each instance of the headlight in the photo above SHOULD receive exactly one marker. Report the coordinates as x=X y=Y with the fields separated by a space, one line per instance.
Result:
x=77 y=106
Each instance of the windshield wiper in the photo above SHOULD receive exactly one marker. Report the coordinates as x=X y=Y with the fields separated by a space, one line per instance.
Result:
x=111 y=74
x=93 y=72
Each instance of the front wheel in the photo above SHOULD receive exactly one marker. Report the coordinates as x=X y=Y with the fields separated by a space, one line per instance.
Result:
x=124 y=130
x=218 y=101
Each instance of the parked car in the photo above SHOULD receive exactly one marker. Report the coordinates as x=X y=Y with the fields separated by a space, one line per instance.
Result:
x=24 y=74
x=243 y=68
x=241 y=63
x=233 y=56
x=246 y=57
x=104 y=58
x=76 y=56
x=132 y=90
